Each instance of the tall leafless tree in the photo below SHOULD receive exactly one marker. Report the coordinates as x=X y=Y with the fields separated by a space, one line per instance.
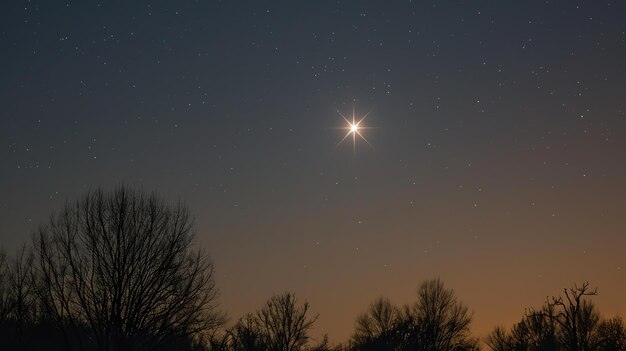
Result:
x=569 y=322
x=539 y=329
x=246 y=335
x=5 y=304
x=285 y=322
x=440 y=322
x=375 y=328
x=576 y=316
x=610 y=335
x=280 y=325
x=500 y=340
x=536 y=331
x=122 y=264
x=22 y=297
x=437 y=321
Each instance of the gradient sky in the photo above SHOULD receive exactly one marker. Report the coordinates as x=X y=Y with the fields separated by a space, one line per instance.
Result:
x=498 y=142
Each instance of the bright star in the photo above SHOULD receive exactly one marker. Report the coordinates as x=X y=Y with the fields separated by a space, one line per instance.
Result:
x=354 y=128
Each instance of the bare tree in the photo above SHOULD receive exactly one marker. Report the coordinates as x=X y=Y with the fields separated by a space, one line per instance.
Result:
x=576 y=316
x=280 y=325
x=122 y=265
x=285 y=323
x=437 y=321
x=322 y=345
x=536 y=331
x=539 y=329
x=5 y=304
x=379 y=320
x=440 y=322
x=568 y=322
x=247 y=335
x=610 y=335
x=22 y=297
x=499 y=340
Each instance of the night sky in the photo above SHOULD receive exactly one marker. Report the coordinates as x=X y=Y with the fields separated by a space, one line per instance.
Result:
x=497 y=131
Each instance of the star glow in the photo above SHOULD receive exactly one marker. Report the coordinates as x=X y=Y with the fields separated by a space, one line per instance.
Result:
x=354 y=127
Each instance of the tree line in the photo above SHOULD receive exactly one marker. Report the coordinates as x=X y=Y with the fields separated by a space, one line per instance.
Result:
x=121 y=270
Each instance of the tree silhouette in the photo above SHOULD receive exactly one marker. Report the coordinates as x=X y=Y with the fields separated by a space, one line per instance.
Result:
x=539 y=329
x=569 y=322
x=438 y=321
x=22 y=298
x=576 y=316
x=500 y=340
x=121 y=265
x=280 y=325
x=286 y=325
x=247 y=335
x=610 y=335
x=536 y=331
x=375 y=328
x=119 y=271
x=18 y=303
x=5 y=304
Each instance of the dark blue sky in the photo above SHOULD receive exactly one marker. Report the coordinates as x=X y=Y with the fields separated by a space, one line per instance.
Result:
x=498 y=138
